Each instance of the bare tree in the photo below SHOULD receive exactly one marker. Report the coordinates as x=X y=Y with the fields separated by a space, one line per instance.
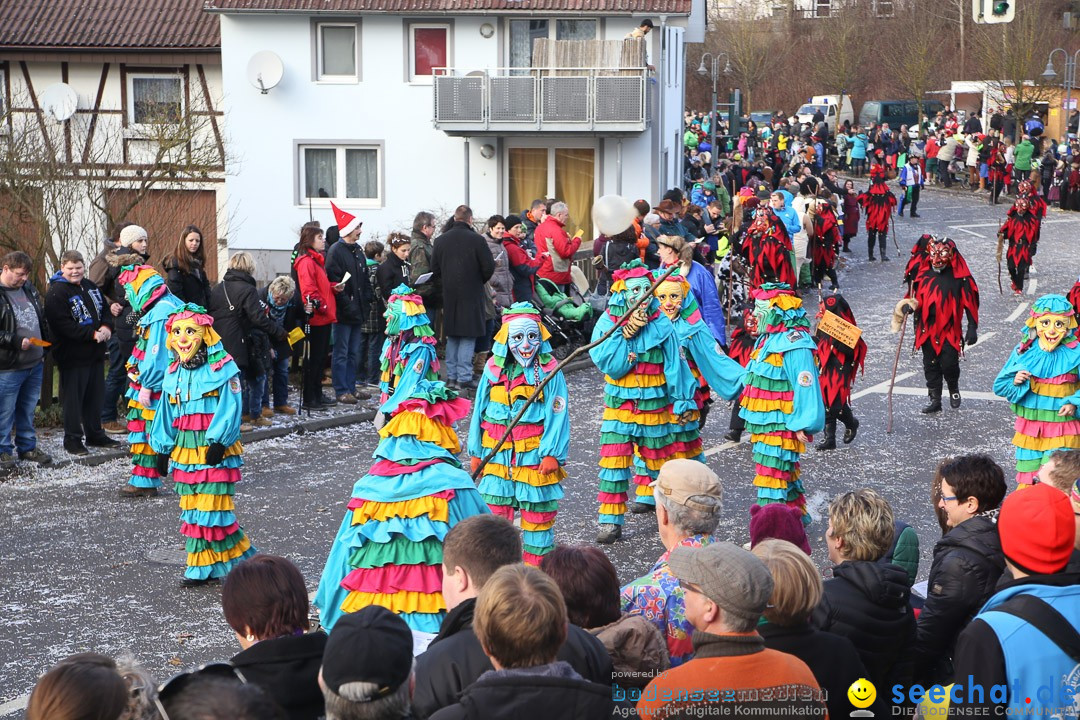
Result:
x=916 y=64
x=849 y=38
x=752 y=46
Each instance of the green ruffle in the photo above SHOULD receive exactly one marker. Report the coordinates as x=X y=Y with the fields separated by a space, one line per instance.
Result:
x=209 y=488
x=399 y=551
x=197 y=545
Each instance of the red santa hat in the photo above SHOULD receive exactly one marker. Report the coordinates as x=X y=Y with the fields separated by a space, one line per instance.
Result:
x=346 y=222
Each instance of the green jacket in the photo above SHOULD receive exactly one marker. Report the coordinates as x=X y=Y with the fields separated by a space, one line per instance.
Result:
x=724 y=197
x=690 y=139
x=1022 y=155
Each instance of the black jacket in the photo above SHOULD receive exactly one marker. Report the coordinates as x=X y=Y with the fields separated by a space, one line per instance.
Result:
x=114 y=291
x=833 y=660
x=391 y=273
x=462 y=262
x=237 y=310
x=354 y=301
x=967 y=564
x=867 y=602
x=192 y=287
x=544 y=693
x=287 y=668
x=454 y=660
x=10 y=342
x=74 y=313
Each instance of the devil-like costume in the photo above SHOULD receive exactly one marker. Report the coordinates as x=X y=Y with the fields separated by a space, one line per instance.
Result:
x=766 y=248
x=941 y=294
x=824 y=244
x=1041 y=377
x=839 y=365
x=1074 y=296
x=920 y=260
x=878 y=203
x=1021 y=231
x=526 y=473
x=782 y=397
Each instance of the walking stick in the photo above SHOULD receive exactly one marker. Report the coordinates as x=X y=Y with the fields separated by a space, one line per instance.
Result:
x=1000 y=243
x=892 y=228
x=892 y=380
x=578 y=351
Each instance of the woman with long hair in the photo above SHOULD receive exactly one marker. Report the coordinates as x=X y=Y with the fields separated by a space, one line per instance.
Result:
x=317 y=295
x=185 y=268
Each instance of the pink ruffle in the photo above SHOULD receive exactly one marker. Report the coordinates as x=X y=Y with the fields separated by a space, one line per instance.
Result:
x=138 y=354
x=629 y=406
x=538 y=517
x=643 y=480
x=136 y=426
x=1060 y=379
x=446 y=412
x=695 y=317
x=645 y=368
x=611 y=498
x=144 y=471
x=207 y=475
x=616 y=449
x=194 y=421
x=388 y=468
x=670 y=449
x=520 y=432
x=391 y=579
x=755 y=392
x=1041 y=428
x=200 y=532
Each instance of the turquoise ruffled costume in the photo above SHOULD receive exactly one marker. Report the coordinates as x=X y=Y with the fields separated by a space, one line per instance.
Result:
x=408 y=353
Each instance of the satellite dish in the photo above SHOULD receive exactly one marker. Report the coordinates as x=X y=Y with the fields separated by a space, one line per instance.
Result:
x=59 y=101
x=264 y=71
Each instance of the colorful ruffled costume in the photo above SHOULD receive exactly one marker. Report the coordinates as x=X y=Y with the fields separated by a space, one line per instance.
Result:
x=649 y=386
x=201 y=409
x=408 y=353
x=782 y=395
x=515 y=477
x=152 y=303
x=1054 y=382
x=388 y=550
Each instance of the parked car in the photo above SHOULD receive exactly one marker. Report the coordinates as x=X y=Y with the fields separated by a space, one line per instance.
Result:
x=897 y=112
x=831 y=106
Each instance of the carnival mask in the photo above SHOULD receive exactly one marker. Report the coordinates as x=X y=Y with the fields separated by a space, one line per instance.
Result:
x=941 y=253
x=1051 y=329
x=186 y=338
x=1024 y=188
x=523 y=340
x=671 y=296
x=750 y=322
x=761 y=311
x=635 y=289
x=1022 y=204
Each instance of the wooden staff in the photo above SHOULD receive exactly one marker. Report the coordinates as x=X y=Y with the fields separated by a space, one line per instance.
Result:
x=892 y=380
x=1000 y=243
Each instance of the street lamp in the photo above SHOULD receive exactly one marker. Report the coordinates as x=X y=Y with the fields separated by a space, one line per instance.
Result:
x=1069 y=79
x=715 y=73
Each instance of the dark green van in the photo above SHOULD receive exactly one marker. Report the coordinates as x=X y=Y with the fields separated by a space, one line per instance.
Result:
x=896 y=112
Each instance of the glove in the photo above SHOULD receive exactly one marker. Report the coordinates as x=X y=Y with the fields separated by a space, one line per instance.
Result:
x=907 y=309
x=162 y=465
x=215 y=454
x=474 y=465
x=144 y=397
x=548 y=465
x=972 y=336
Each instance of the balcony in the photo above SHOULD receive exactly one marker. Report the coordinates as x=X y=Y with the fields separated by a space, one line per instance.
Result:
x=517 y=101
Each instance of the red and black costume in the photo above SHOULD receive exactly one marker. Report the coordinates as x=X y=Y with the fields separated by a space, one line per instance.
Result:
x=1021 y=230
x=741 y=343
x=1025 y=188
x=999 y=170
x=825 y=244
x=767 y=249
x=944 y=291
x=920 y=258
x=1074 y=295
x=878 y=202
x=838 y=365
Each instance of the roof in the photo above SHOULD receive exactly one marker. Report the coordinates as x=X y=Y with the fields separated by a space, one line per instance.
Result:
x=108 y=25
x=455 y=7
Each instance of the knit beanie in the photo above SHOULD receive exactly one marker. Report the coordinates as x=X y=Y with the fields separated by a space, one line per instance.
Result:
x=131 y=235
x=1037 y=529
x=780 y=522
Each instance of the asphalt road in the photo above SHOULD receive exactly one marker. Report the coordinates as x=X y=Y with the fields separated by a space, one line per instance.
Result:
x=82 y=570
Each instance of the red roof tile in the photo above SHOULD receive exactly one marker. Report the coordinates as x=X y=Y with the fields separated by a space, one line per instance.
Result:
x=600 y=7
x=108 y=25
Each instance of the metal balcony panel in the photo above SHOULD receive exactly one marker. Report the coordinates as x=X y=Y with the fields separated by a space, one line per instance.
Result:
x=459 y=99
x=618 y=99
x=564 y=99
x=512 y=99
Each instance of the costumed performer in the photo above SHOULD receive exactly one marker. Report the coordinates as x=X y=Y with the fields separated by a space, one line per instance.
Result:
x=825 y=242
x=527 y=471
x=878 y=202
x=197 y=426
x=1021 y=230
x=743 y=340
x=766 y=248
x=839 y=365
x=1041 y=380
x=649 y=412
x=408 y=353
x=781 y=404
x=388 y=550
x=675 y=250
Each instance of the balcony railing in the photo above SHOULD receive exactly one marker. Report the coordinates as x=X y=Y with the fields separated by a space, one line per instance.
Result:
x=523 y=100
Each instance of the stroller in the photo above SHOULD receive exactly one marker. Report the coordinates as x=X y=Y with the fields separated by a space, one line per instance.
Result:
x=569 y=318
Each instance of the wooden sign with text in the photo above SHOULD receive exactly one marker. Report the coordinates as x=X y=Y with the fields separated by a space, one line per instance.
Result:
x=839 y=328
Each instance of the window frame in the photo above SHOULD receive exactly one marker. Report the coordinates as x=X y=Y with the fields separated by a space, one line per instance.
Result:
x=410 y=48
x=552 y=32
x=129 y=81
x=340 y=146
x=320 y=75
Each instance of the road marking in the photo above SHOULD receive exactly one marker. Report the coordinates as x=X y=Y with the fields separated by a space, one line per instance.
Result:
x=1032 y=284
x=970 y=394
x=987 y=336
x=978 y=225
x=720 y=448
x=881 y=386
x=15 y=705
x=969 y=232
x=1016 y=313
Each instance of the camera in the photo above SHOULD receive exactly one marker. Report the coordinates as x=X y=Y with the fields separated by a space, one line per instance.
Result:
x=313 y=302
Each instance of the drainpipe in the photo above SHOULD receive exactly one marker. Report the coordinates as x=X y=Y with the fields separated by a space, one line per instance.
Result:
x=661 y=72
x=618 y=167
x=466 y=171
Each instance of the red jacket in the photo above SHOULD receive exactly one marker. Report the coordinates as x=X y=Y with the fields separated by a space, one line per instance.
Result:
x=311 y=275
x=551 y=237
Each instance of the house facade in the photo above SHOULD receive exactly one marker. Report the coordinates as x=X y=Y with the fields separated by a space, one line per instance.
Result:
x=389 y=107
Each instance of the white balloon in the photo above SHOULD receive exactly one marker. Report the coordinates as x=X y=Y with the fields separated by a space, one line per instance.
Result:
x=612 y=214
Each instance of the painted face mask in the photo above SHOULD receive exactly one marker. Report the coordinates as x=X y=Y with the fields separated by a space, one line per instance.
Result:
x=1022 y=204
x=941 y=253
x=671 y=296
x=761 y=311
x=186 y=337
x=750 y=322
x=1051 y=329
x=635 y=289
x=523 y=340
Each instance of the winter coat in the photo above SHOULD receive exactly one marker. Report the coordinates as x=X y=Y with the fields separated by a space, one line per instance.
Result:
x=522 y=268
x=851 y=214
x=858 y=146
x=312 y=284
x=420 y=250
x=551 y=237
x=393 y=271
x=1022 y=155
x=10 y=341
x=967 y=565
x=501 y=282
x=99 y=266
x=237 y=311
x=75 y=313
x=454 y=660
x=287 y=668
x=192 y=287
x=354 y=299
x=286 y=317
x=114 y=291
x=948 y=150
x=637 y=648
x=462 y=259
x=867 y=602
x=537 y=693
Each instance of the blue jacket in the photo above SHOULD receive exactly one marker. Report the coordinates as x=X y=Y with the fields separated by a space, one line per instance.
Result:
x=703 y=285
x=858 y=146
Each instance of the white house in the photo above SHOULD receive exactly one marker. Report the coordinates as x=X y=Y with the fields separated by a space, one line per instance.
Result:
x=389 y=107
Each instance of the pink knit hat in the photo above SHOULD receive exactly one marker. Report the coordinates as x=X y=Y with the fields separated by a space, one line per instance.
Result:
x=778 y=521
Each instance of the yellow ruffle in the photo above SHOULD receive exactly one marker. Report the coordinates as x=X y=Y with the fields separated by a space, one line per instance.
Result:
x=636 y=380
x=616 y=463
x=424 y=429
x=612 y=508
x=776 y=441
x=776 y=359
x=406 y=601
x=142 y=449
x=412 y=308
x=536 y=527
x=786 y=302
x=148 y=415
x=522 y=445
x=1042 y=444
x=631 y=418
x=209 y=557
x=521 y=392
x=643 y=491
x=207 y=503
x=762 y=405
x=197 y=456
x=686 y=455
x=524 y=474
x=1051 y=390
x=435 y=508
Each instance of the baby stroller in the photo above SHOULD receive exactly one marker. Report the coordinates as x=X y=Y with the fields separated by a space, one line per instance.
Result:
x=568 y=318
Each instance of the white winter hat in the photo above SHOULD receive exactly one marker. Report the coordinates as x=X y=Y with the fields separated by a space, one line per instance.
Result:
x=131 y=235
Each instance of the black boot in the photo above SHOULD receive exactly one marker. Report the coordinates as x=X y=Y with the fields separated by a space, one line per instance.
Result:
x=851 y=425
x=954 y=397
x=734 y=435
x=829 y=442
x=935 y=403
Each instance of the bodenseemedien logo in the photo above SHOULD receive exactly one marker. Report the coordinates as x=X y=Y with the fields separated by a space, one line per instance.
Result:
x=862 y=694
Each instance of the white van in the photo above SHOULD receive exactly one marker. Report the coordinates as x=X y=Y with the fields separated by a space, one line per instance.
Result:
x=831 y=107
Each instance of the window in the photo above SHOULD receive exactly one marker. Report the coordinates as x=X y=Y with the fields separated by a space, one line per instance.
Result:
x=822 y=8
x=883 y=8
x=336 y=52
x=343 y=172
x=155 y=99
x=429 y=48
x=524 y=32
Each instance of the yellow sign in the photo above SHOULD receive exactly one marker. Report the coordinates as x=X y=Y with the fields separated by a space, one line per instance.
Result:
x=835 y=326
x=295 y=336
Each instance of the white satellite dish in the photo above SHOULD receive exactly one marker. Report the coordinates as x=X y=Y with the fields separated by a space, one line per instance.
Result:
x=264 y=70
x=59 y=101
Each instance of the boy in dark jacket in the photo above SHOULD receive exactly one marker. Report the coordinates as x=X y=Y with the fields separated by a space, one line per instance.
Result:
x=346 y=266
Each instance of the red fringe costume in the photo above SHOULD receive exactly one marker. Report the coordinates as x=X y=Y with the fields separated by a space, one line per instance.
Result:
x=1021 y=230
x=767 y=250
x=878 y=202
x=1073 y=296
x=824 y=245
x=838 y=365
